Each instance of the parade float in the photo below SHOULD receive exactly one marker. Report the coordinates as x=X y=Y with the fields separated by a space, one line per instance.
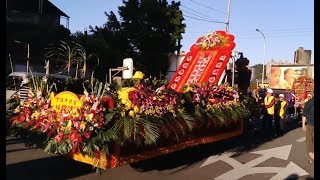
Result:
x=109 y=126
x=302 y=86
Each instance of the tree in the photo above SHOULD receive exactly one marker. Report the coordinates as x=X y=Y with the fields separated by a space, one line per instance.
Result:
x=108 y=42
x=153 y=28
x=147 y=32
x=258 y=71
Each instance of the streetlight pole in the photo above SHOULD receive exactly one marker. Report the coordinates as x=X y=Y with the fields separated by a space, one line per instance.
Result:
x=264 y=55
x=228 y=16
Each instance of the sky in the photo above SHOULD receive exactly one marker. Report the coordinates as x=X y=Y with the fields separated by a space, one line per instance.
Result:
x=286 y=24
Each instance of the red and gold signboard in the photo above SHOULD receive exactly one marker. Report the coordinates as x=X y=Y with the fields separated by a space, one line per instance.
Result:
x=205 y=62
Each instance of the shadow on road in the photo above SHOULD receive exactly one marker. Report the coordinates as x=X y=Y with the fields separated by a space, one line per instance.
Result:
x=21 y=149
x=13 y=140
x=56 y=167
x=190 y=156
x=296 y=177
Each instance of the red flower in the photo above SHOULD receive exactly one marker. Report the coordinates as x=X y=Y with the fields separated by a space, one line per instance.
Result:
x=45 y=127
x=58 y=137
x=87 y=135
x=75 y=137
x=107 y=102
x=21 y=118
x=113 y=161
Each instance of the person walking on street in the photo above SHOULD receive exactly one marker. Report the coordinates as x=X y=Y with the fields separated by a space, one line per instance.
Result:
x=269 y=102
x=307 y=126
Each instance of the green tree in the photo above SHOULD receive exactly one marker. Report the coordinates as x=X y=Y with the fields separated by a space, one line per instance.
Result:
x=258 y=71
x=108 y=42
x=154 y=29
x=147 y=31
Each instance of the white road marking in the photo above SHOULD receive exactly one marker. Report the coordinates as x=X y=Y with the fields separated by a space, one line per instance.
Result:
x=240 y=170
x=301 y=139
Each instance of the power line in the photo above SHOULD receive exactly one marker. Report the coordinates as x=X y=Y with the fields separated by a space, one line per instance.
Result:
x=276 y=32
x=253 y=33
x=256 y=37
x=204 y=19
x=196 y=15
x=208 y=7
x=198 y=12
x=290 y=29
x=295 y=35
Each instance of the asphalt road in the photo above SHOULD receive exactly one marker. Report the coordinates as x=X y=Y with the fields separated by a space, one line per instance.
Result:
x=245 y=158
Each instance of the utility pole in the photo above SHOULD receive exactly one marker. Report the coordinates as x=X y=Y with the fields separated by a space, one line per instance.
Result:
x=228 y=17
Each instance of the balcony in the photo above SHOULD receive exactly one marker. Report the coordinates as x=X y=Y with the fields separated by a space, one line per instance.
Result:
x=15 y=17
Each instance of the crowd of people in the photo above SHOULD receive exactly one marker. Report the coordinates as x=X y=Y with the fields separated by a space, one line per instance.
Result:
x=277 y=109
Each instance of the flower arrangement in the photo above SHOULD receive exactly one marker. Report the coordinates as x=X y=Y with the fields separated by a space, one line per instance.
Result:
x=145 y=108
x=142 y=114
x=210 y=40
x=150 y=102
x=215 y=102
x=70 y=130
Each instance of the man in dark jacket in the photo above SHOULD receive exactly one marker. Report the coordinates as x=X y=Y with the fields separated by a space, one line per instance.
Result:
x=307 y=126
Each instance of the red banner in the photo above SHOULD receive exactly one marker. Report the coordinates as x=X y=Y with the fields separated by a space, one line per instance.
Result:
x=205 y=62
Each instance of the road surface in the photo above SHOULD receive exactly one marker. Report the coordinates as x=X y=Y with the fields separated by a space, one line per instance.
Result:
x=245 y=158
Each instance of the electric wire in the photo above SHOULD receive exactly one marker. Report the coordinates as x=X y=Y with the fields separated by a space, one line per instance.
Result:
x=207 y=7
x=198 y=12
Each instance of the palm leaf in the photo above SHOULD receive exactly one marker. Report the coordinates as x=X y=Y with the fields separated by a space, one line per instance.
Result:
x=189 y=120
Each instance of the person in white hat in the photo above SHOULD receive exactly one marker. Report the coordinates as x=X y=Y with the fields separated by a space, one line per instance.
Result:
x=269 y=102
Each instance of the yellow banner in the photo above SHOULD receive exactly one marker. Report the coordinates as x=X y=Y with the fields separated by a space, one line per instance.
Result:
x=65 y=101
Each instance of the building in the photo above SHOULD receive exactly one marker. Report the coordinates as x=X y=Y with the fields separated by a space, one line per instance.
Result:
x=34 y=12
x=31 y=26
x=302 y=56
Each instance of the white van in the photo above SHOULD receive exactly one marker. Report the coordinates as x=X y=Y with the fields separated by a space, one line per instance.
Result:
x=17 y=83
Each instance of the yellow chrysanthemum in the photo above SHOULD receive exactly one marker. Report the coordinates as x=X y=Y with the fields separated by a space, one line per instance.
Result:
x=82 y=125
x=123 y=95
x=75 y=113
x=35 y=115
x=89 y=117
x=69 y=124
x=131 y=113
x=136 y=109
x=128 y=105
x=187 y=89
x=138 y=75
x=230 y=88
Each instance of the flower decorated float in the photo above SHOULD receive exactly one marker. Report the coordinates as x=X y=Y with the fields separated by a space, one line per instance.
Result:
x=110 y=126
